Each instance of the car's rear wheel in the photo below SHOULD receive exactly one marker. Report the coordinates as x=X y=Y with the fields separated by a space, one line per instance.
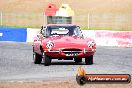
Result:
x=89 y=60
x=77 y=60
x=37 y=58
x=46 y=59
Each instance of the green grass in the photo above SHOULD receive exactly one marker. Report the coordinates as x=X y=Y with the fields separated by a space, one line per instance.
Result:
x=100 y=28
x=20 y=26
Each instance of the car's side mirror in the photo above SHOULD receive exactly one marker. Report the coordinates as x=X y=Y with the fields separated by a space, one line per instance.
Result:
x=82 y=35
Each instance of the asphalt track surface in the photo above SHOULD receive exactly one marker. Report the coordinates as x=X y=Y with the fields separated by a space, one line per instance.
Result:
x=16 y=63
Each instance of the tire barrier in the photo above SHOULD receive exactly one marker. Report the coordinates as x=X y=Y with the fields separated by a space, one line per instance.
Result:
x=110 y=38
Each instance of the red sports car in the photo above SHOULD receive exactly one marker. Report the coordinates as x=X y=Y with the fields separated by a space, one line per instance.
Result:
x=62 y=41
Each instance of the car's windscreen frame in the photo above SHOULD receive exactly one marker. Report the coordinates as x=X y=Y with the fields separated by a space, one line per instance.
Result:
x=71 y=29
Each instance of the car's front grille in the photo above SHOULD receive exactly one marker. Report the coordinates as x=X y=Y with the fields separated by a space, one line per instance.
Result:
x=71 y=51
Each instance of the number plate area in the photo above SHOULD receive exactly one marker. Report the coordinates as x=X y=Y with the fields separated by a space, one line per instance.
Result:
x=71 y=54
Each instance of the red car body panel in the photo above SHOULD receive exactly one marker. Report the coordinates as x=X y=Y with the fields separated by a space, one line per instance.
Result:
x=64 y=46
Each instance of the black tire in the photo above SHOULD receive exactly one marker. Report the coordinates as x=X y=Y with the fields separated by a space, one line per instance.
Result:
x=89 y=60
x=47 y=60
x=77 y=60
x=37 y=58
x=81 y=80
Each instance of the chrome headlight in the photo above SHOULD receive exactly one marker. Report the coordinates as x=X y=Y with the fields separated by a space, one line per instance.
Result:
x=49 y=44
x=91 y=44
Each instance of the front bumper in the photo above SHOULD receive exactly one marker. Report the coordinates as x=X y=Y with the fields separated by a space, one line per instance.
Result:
x=60 y=53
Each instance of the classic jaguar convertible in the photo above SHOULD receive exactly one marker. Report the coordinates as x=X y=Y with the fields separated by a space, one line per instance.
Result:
x=62 y=42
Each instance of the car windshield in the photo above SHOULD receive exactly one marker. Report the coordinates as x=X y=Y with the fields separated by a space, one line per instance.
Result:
x=63 y=30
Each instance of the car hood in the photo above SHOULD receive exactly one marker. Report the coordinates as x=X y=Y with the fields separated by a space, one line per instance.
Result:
x=68 y=41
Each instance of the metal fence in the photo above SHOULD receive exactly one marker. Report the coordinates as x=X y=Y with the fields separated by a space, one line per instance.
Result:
x=22 y=19
x=105 y=21
x=87 y=21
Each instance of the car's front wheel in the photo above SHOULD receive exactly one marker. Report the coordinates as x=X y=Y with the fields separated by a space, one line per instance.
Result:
x=89 y=60
x=37 y=58
x=46 y=59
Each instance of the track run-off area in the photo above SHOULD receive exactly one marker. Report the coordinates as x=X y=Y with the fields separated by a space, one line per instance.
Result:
x=16 y=63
